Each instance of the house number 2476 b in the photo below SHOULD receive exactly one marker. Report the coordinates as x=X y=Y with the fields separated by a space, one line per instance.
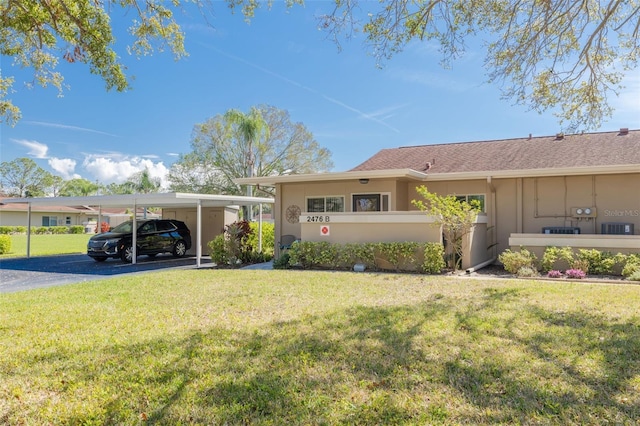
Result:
x=317 y=218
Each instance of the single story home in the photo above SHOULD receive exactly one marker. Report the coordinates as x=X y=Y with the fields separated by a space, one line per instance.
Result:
x=15 y=214
x=580 y=190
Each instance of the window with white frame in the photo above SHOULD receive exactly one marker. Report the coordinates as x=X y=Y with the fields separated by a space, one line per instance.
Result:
x=329 y=204
x=470 y=197
x=67 y=220
x=376 y=202
x=49 y=220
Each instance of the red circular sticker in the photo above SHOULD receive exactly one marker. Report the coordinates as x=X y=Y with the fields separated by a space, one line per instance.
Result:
x=324 y=230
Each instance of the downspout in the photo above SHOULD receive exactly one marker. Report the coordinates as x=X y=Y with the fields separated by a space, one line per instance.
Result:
x=260 y=230
x=481 y=265
x=494 y=217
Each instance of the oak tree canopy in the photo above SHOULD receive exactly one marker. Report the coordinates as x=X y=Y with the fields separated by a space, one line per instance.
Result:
x=567 y=56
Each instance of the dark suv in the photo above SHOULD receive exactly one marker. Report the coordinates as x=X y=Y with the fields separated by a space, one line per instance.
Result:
x=153 y=237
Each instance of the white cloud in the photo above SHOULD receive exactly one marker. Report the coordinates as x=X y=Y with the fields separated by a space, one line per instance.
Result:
x=118 y=168
x=36 y=149
x=67 y=127
x=64 y=166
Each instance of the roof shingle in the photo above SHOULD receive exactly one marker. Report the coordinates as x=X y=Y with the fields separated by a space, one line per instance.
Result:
x=579 y=150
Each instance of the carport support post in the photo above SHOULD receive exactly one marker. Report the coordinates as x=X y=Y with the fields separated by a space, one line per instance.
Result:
x=28 y=230
x=260 y=230
x=199 y=233
x=134 y=235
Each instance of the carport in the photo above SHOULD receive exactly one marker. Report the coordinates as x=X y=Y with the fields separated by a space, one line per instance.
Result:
x=174 y=200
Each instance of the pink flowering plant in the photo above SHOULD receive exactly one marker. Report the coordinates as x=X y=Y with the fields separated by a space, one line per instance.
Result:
x=575 y=273
x=554 y=274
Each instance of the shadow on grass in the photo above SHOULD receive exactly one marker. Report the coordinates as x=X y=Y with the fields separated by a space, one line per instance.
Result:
x=434 y=362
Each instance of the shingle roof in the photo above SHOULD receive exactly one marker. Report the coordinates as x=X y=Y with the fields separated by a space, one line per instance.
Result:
x=580 y=150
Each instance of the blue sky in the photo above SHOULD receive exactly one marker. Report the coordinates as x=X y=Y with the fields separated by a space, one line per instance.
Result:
x=352 y=107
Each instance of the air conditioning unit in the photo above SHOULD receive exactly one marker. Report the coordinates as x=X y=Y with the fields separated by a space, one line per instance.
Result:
x=560 y=230
x=614 y=228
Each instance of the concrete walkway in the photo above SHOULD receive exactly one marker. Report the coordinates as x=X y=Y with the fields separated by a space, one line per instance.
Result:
x=260 y=266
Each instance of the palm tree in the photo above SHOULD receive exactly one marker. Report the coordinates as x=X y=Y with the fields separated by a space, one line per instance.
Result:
x=142 y=182
x=250 y=128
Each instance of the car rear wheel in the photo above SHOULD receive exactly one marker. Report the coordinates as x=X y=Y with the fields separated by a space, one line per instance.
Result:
x=179 y=249
x=127 y=254
x=99 y=259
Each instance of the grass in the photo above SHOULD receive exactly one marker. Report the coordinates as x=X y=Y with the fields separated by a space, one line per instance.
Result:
x=292 y=347
x=44 y=245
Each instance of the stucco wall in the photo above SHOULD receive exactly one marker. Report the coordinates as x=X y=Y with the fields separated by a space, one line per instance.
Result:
x=213 y=219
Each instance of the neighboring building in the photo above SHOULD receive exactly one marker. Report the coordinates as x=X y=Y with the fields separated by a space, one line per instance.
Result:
x=15 y=214
x=566 y=190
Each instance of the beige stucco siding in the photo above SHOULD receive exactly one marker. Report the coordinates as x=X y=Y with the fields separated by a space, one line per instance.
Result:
x=213 y=219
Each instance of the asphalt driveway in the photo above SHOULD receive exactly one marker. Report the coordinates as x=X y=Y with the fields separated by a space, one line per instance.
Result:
x=19 y=274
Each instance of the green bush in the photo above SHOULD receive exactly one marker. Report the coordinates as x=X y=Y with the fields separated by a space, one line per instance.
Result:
x=631 y=265
x=59 y=229
x=40 y=230
x=283 y=262
x=514 y=260
x=268 y=237
x=635 y=276
x=76 y=229
x=554 y=255
x=374 y=256
x=433 y=258
x=20 y=229
x=5 y=230
x=5 y=244
x=527 y=272
x=217 y=250
x=599 y=262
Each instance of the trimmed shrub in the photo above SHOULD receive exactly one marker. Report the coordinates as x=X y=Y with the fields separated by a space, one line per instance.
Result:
x=527 y=272
x=283 y=262
x=403 y=256
x=5 y=230
x=433 y=258
x=76 y=229
x=59 y=229
x=635 y=276
x=217 y=250
x=599 y=262
x=514 y=260
x=557 y=257
x=268 y=239
x=41 y=230
x=5 y=244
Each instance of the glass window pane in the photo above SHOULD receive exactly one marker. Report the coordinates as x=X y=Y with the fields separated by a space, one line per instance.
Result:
x=366 y=203
x=45 y=220
x=385 y=202
x=335 y=204
x=480 y=198
x=315 y=205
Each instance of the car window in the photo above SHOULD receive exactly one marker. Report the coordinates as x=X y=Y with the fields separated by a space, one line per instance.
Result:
x=147 y=227
x=123 y=228
x=164 y=225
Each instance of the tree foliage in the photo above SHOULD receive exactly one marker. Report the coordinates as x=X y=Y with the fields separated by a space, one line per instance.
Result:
x=544 y=53
x=78 y=187
x=221 y=152
x=22 y=177
x=37 y=34
x=456 y=218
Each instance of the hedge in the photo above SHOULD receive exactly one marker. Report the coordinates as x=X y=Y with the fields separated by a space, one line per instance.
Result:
x=394 y=256
x=5 y=244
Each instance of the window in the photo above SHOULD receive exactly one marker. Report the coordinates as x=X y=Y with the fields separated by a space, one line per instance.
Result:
x=370 y=203
x=471 y=197
x=325 y=204
x=49 y=221
x=67 y=220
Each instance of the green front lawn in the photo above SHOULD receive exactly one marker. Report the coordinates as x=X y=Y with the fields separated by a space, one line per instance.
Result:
x=43 y=245
x=296 y=347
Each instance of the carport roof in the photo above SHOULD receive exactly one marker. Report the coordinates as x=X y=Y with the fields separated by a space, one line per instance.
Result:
x=171 y=199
